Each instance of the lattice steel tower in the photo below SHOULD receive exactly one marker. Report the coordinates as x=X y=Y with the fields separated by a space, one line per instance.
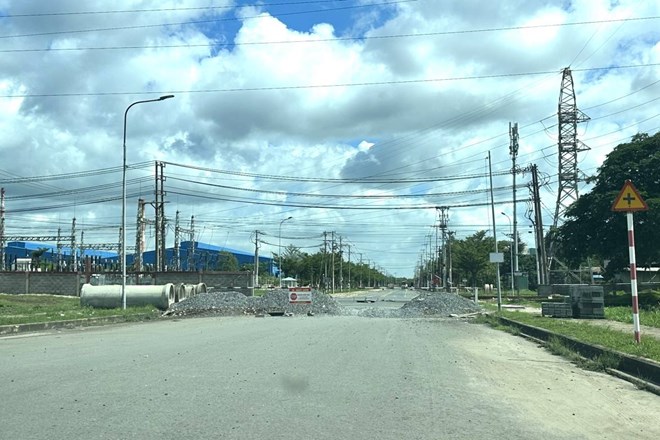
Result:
x=569 y=146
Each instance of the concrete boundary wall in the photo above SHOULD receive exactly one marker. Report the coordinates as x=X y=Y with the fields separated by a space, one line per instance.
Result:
x=67 y=283
x=55 y=283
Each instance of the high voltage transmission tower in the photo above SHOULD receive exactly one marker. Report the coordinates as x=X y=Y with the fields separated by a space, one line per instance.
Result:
x=569 y=147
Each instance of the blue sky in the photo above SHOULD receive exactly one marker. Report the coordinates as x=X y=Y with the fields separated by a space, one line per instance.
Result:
x=341 y=14
x=347 y=17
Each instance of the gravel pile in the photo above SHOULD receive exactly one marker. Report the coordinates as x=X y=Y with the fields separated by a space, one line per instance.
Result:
x=438 y=303
x=221 y=303
x=235 y=303
x=276 y=301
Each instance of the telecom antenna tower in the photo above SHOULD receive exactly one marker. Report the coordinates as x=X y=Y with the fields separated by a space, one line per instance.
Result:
x=569 y=147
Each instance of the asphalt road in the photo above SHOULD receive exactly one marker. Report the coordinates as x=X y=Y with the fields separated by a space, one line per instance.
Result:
x=389 y=298
x=307 y=378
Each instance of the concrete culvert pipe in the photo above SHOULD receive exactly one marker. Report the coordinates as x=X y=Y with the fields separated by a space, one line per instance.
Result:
x=190 y=290
x=200 y=288
x=180 y=292
x=109 y=297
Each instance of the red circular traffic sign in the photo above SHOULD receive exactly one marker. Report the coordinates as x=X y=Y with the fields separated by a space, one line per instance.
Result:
x=293 y=296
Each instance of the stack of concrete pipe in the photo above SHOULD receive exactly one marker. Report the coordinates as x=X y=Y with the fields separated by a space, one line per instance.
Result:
x=109 y=297
x=180 y=292
x=184 y=291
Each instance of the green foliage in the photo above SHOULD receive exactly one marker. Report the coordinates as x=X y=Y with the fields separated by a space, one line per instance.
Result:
x=471 y=259
x=647 y=299
x=591 y=228
x=227 y=262
x=316 y=269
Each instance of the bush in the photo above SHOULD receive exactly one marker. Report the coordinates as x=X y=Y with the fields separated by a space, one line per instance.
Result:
x=648 y=299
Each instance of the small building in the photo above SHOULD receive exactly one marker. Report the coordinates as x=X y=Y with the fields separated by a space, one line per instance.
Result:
x=644 y=275
x=289 y=282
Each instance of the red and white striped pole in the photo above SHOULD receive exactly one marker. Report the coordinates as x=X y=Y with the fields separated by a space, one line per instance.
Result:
x=633 y=276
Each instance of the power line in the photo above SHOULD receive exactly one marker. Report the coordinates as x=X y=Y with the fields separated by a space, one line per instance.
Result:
x=332 y=180
x=75 y=203
x=321 y=86
x=313 y=40
x=344 y=196
x=182 y=9
x=74 y=175
x=77 y=191
x=326 y=206
x=214 y=20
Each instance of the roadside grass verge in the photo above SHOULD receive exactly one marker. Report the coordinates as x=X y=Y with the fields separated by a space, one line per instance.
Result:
x=599 y=363
x=616 y=340
x=495 y=323
x=24 y=309
x=650 y=317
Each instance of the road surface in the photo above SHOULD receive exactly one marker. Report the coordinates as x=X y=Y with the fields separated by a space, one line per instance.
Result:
x=320 y=377
x=389 y=298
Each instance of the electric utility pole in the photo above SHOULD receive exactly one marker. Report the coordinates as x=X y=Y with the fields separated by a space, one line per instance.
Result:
x=256 y=258
x=513 y=151
x=444 y=219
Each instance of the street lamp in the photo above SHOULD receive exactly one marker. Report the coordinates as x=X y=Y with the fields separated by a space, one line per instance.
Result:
x=511 y=232
x=123 y=201
x=279 y=251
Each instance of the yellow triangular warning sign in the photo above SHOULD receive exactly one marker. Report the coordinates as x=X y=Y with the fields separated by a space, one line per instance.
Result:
x=629 y=199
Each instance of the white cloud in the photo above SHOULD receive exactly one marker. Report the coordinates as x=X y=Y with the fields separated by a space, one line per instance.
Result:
x=257 y=107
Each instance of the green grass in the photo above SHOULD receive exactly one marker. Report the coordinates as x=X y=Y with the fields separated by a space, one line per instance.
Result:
x=599 y=363
x=583 y=331
x=260 y=292
x=23 y=309
x=650 y=317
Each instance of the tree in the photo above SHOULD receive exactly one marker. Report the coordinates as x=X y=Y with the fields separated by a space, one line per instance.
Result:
x=36 y=258
x=592 y=229
x=227 y=262
x=471 y=258
x=292 y=261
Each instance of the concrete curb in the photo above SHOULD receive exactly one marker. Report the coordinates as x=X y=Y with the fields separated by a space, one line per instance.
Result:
x=13 y=329
x=637 y=370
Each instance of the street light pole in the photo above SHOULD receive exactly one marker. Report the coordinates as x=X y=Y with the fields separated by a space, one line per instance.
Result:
x=123 y=200
x=513 y=286
x=280 y=249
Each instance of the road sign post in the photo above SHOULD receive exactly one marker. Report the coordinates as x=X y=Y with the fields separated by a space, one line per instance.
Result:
x=629 y=200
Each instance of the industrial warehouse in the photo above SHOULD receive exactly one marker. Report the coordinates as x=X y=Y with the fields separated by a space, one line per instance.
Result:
x=189 y=256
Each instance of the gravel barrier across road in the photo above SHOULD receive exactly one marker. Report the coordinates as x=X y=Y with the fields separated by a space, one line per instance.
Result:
x=230 y=303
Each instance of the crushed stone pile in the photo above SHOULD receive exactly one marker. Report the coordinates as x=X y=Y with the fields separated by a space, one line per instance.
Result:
x=216 y=302
x=228 y=303
x=438 y=303
x=278 y=299
x=427 y=304
x=232 y=303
